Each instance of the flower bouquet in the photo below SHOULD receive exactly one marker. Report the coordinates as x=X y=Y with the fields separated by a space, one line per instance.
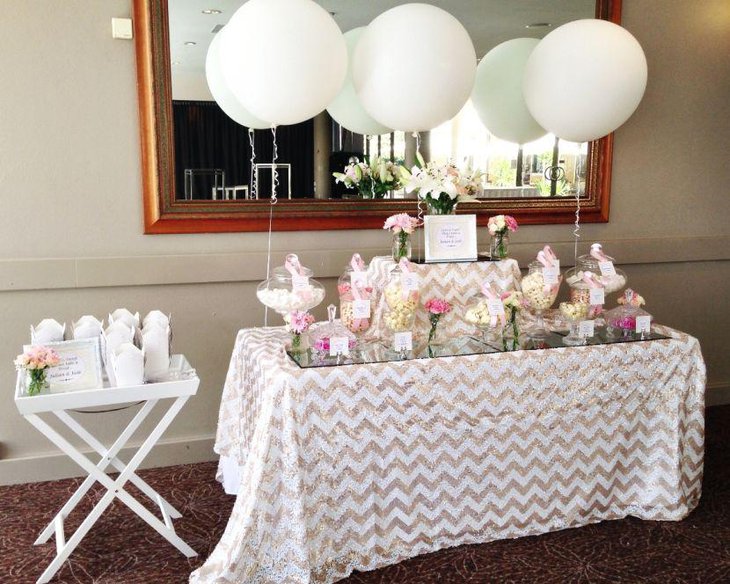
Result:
x=402 y=226
x=36 y=360
x=499 y=227
x=442 y=186
x=298 y=323
x=372 y=180
x=513 y=302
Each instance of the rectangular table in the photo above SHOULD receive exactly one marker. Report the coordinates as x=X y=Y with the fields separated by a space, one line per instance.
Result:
x=360 y=466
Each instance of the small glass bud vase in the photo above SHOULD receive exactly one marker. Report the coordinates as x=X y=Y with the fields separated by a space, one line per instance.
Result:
x=299 y=343
x=499 y=246
x=401 y=246
x=37 y=382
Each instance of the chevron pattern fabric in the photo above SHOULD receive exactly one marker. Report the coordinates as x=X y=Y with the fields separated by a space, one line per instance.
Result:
x=360 y=466
x=455 y=282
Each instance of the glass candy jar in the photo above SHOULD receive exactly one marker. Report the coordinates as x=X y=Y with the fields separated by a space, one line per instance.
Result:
x=402 y=295
x=357 y=297
x=290 y=287
x=602 y=266
x=332 y=331
x=583 y=278
x=574 y=313
x=489 y=322
x=628 y=320
x=540 y=289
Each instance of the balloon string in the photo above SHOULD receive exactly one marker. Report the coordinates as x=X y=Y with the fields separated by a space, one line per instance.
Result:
x=274 y=184
x=576 y=231
x=254 y=181
x=420 y=203
x=274 y=171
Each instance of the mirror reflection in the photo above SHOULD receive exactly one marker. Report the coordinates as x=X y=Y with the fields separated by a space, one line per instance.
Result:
x=213 y=153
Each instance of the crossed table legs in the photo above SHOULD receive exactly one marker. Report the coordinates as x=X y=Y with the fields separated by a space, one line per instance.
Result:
x=115 y=488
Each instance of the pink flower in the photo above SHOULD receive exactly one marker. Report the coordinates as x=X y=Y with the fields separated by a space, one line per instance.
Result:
x=511 y=222
x=37 y=358
x=298 y=322
x=401 y=222
x=438 y=306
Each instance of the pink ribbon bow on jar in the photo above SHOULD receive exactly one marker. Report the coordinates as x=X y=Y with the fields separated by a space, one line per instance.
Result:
x=358 y=293
x=492 y=295
x=590 y=279
x=597 y=253
x=405 y=267
x=548 y=259
x=295 y=268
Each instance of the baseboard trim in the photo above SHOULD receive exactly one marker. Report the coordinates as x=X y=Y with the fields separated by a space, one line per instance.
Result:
x=54 y=466
x=718 y=394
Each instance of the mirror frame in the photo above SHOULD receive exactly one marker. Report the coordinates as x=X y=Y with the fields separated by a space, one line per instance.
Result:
x=164 y=214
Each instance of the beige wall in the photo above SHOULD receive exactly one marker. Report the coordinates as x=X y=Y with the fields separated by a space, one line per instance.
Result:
x=71 y=237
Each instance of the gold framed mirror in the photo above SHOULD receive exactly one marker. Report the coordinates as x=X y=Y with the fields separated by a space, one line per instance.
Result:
x=165 y=211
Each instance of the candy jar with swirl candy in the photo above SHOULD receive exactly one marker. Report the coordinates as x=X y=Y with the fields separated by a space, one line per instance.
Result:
x=402 y=295
x=357 y=298
x=628 y=320
x=290 y=288
x=486 y=313
x=586 y=287
x=540 y=289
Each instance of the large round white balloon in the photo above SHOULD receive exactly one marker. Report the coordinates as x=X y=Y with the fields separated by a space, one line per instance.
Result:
x=346 y=109
x=294 y=56
x=222 y=94
x=414 y=67
x=497 y=95
x=585 y=79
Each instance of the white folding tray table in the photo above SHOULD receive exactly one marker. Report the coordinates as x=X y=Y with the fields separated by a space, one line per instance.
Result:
x=183 y=382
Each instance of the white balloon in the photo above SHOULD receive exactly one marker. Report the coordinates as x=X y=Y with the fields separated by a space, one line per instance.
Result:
x=346 y=109
x=585 y=79
x=497 y=94
x=294 y=56
x=222 y=94
x=414 y=67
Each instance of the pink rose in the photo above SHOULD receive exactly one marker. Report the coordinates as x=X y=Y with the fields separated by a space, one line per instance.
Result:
x=438 y=306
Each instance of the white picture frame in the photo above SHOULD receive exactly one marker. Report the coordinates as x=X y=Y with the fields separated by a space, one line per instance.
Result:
x=80 y=366
x=450 y=238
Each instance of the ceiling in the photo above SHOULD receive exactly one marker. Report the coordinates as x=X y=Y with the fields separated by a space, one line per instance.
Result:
x=489 y=22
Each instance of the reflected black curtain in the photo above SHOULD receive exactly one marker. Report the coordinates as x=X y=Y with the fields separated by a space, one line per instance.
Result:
x=206 y=138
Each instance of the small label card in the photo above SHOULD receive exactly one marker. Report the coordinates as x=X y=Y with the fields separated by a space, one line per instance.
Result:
x=299 y=283
x=597 y=296
x=359 y=279
x=403 y=341
x=79 y=366
x=450 y=238
x=361 y=309
x=550 y=275
x=643 y=324
x=607 y=268
x=495 y=307
x=410 y=281
x=339 y=346
x=586 y=329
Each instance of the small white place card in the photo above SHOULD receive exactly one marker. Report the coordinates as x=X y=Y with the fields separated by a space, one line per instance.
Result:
x=597 y=296
x=403 y=341
x=450 y=238
x=495 y=307
x=361 y=309
x=607 y=268
x=79 y=366
x=643 y=324
x=410 y=281
x=586 y=329
x=339 y=346
x=550 y=275
x=359 y=279
x=299 y=283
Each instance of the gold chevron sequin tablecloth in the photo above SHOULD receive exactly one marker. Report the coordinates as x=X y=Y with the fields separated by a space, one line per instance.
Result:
x=359 y=466
x=453 y=281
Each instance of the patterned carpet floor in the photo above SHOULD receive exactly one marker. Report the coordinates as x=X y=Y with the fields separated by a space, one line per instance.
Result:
x=122 y=549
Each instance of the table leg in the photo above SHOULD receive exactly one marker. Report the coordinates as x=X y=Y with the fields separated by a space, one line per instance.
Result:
x=114 y=488
x=103 y=463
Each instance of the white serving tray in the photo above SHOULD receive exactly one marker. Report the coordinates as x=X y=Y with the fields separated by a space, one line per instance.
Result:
x=182 y=381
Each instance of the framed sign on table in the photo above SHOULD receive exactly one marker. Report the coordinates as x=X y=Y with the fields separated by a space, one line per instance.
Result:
x=79 y=368
x=450 y=238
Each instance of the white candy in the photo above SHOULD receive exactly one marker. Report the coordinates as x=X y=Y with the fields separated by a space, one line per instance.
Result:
x=282 y=300
x=533 y=288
